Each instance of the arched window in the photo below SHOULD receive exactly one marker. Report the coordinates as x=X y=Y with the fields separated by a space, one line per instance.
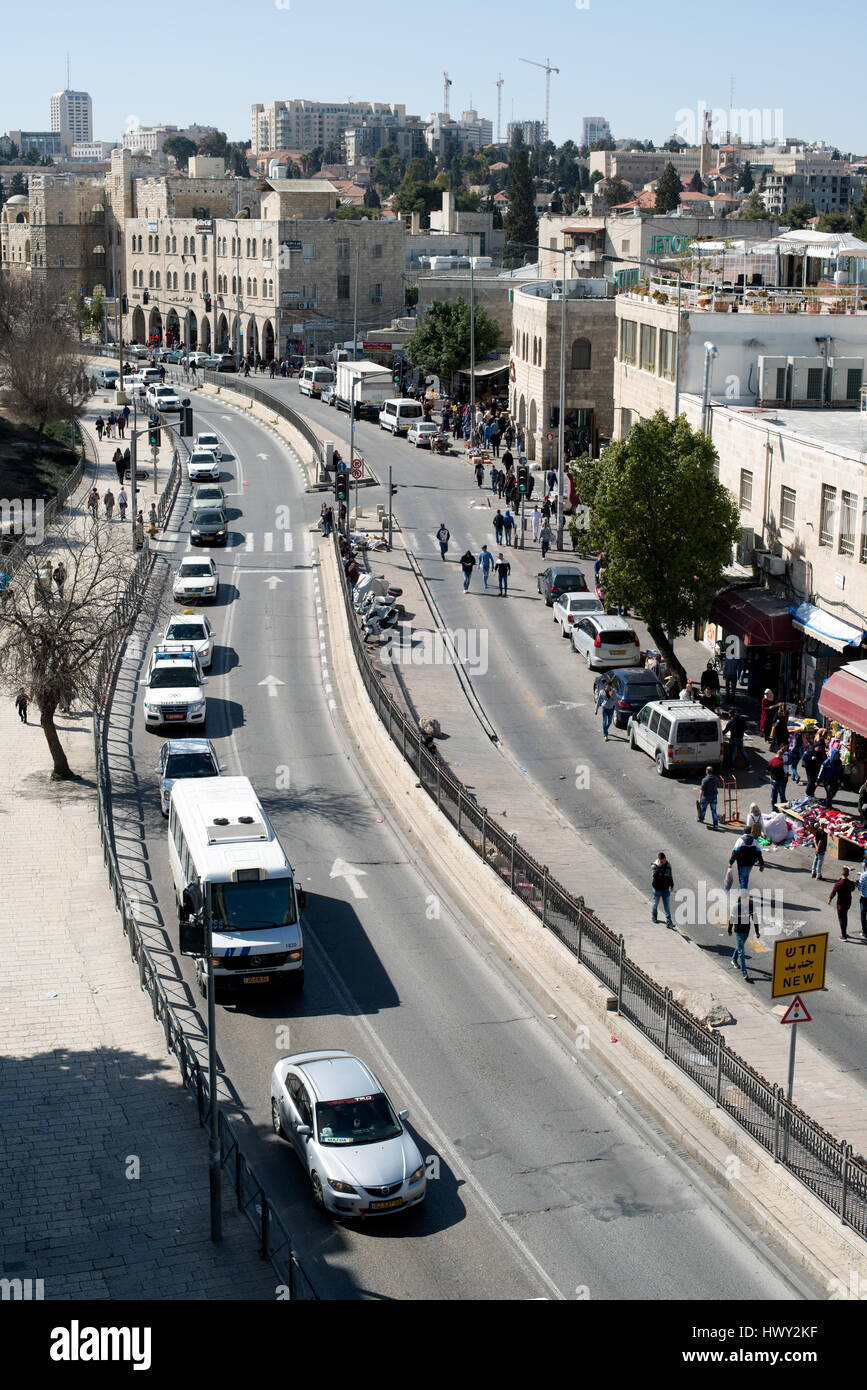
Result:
x=249 y=285
x=150 y=279
x=580 y=359
x=254 y=248
x=204 y=282
x=186 y=245
x=141 y=243
x=158 y=280
x=156 y=244
x=540 y=352
x=133 y=245
x=186 y=279
x=193 y=281
x=150 y=244
x=255 y=288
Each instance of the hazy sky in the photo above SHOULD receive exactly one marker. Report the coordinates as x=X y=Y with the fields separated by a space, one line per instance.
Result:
x=639 y=64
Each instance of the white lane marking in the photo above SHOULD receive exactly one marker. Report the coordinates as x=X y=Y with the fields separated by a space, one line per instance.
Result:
x=287 y=540
x=248 y=541
x=262 y=456
x=272 y=682
x=340 y=869
x=269 y=540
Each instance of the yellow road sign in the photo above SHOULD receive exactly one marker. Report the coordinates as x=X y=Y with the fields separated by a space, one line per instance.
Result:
x=799 y=964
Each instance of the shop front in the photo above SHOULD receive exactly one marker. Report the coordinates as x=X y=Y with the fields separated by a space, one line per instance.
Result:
x=756 y=626
x=829 y=643
x=843 y=700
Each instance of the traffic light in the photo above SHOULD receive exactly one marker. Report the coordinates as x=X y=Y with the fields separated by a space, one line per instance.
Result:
x=145 y=299
x=186 y=429
x=340 y=488
x=393 y=489
x=207 y=299
x=553 y=417
x=124 y=304
x=154 y=435
x=523 y=475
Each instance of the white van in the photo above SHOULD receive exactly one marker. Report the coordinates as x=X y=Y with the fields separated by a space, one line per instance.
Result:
x=314 y=380
x=397 y=416
x=677 y=734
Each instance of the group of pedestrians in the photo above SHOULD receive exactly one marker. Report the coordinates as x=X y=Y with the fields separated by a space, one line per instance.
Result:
x=114 y=426
x=487 y=564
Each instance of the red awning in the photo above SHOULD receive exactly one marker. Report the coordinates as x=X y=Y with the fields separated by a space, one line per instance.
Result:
x=844 y=698
x=758 y=617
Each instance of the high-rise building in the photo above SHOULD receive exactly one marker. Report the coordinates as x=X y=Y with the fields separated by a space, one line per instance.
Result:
x=532 y=132
x=73 y=112
x=306 y=125
x=594 y=129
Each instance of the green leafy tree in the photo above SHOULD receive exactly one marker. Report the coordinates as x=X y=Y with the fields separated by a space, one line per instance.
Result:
x=388 y=169
x=617 y=192
x=371 y=197
x=213 y=145
x=753 y=209
x=311 y=162
x=748 y=183
x=441 y=343
x=798 y=215
x=834 y=222
x=672 y=144
x=236 y=160
x=18 y=184
x=668 y=190
x=180 y=149
x=665 y=521
x=520 y=224
x=418 y=197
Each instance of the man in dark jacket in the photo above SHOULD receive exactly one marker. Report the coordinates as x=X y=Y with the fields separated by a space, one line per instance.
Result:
x=779 y=778
x=662 y=883
x=710 y=785
x=746 y=854
x=735 y=731
x=743 y=917
x=843 y=890
x=811 y=763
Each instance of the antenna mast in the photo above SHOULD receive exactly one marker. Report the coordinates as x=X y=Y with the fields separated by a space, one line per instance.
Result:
x=499 y=107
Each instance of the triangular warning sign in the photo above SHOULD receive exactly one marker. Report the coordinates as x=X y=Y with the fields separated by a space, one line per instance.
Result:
x=797 y=1012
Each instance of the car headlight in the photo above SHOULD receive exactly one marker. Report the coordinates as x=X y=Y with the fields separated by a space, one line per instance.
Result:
x=197 y=707
x=416 y=1176
x=221 y=534
x=296 y=955
x=342 y=1187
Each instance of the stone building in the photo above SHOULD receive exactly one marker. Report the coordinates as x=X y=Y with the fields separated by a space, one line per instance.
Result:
x=59 y=234
x=590 y=338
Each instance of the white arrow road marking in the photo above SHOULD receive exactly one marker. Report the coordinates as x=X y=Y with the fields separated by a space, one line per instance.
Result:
x=261 y=456
x=340 y=869
x=271 y=682
x=567 y=704
x=269 y=540
x=272 y=581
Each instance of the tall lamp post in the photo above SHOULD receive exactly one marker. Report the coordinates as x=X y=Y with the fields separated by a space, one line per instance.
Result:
x=631 y=260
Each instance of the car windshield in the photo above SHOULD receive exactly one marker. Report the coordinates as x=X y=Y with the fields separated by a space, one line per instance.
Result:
x=697 y=731
x=191 y=571
x=174 y=677
x=202 y=456
x=362 y=1120
x=190 y=765
x=186 y=632
x=250 y=905
x=213 y=496
x=207 y=517
x=616 y=637
x=206 y=441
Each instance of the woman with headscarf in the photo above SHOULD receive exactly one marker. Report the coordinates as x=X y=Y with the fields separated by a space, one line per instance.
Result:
x=768 y=707
x=754 y=821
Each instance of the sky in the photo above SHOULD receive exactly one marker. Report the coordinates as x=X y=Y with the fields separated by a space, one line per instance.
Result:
x=646 y=67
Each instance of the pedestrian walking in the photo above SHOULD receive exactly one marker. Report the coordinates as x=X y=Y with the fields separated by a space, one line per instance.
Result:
x=820 y=841
x=662 y=886
x=480 y=473
x=734 y=731
x=121 y=424
x=326 y=519
x=508 y=526
x=710 y=785
x=498 y=527
x=796 y=752
x=843 y=891
x=779 y=728
x=110 y=425
x=731 y=667
x=99 y=426
x=353 y=574
x=443 y=536
x=769 y=704
x=503 y=569
x=606 y=701
x=125 y=413
x=862 y=804
x=93 y=503
x=501 y=482
x=753 y=824
x=508 y=460
x=744 y=917
x=486 y=561
x=546 y=536
x=21 y=704
x=495 y=439
x=117 y=460
x=139 y=530
x=862 y=898
x=468 y=564
x=746 y=855
x=831 y=775
x=108 y=502
x=495 y=474
x=59 y=577
x=536 y=522
x=551 y=479
x=779 y=777
x=812 y=764
x=122 y=504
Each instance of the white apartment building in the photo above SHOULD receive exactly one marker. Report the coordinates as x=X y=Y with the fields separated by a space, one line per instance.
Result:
x=73 y=112
x=305 y=125
x=594 y=129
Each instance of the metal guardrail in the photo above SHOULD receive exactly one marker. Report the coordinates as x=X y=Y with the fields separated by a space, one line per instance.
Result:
x=231 y=380
x=275 y=1242
x=825 y=1165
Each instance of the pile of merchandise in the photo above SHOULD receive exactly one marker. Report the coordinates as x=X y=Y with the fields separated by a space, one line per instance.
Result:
x=816 y=813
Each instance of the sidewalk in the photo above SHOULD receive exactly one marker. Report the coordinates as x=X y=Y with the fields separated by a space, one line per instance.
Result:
x=106 y=1173
x=835 y=1101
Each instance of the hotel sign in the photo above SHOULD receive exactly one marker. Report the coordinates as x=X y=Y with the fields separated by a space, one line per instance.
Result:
x=668 y=245
x=623 y=279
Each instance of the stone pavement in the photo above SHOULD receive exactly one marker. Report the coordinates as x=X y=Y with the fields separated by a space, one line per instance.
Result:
x=502 y=786
x=105 y=1168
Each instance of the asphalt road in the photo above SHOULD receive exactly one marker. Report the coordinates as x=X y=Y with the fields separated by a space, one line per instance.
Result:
x=547 y=1184
x=538 y=695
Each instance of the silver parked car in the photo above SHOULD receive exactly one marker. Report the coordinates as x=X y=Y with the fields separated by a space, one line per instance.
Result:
x=185 y=757
x=353 y=1146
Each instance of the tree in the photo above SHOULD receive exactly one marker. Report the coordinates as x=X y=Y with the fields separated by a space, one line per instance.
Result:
x=418 y=197
x=673 y=144
x=213 y=145
x=521 y=224
x=180 y=149
x=617 y=192
x=441 y=343
x=748 y=183
x=371 y=197
x=51 y=647
x=668 y=190
x=236 y=160
x=665 y=521
x=388 y=168
x=798 y=215
x=753 y=209
x=18 y=184
x=40 y=367
x=695 y=184
x=834 y=222
x=311 y=161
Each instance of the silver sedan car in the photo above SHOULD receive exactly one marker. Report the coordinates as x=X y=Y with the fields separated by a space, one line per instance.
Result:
x=353 y=1146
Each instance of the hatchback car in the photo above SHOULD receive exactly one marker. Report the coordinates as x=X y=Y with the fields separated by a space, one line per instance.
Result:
x=174 y=688
x=196 y=580
x=560 y=579
x=185 y=757
x=633 y=689
x=208 y=441
x=202 y=464
x=570 y=608
x=604 y=641
x=108 y=376
x=191 y=629
x=422 y=434
x=353 y=1146
x=209 y=527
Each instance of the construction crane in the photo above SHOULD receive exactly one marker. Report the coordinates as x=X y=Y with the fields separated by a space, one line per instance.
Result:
x=499 y=85
x=447 y=82
x=548 y=70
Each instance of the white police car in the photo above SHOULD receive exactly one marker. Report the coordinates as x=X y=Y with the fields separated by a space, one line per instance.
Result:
x=173 y=691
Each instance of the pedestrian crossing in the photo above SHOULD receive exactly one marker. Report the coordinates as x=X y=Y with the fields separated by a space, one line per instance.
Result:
x=283 y=540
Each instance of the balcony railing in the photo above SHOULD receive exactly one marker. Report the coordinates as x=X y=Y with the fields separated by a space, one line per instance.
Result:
x=752 y=299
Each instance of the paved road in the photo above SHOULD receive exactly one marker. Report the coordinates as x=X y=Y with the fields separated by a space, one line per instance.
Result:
x=547 y=1184
x=538 y=695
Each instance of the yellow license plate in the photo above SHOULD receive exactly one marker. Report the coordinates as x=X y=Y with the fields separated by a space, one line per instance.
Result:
x=620 y=651
x=385 y=1206
x=256 y=979
x=685 y=752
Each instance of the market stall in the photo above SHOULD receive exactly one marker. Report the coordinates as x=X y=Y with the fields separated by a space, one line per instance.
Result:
x=847 y=838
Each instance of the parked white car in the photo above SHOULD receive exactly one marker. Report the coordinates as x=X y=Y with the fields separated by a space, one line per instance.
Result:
x=677 y=734
x=605 y=640
x=570 y=608
x=422 y=434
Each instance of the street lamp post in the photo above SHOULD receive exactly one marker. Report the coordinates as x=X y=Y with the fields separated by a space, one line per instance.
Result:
x=353 y=386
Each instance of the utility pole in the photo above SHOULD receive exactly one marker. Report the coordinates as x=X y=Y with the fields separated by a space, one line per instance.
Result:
x=499 y=85
x=472 y=346
x=238 y=276
x=561 y=431
x=355 y=308
x=214 y=1170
